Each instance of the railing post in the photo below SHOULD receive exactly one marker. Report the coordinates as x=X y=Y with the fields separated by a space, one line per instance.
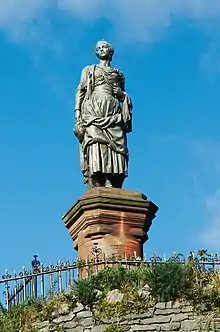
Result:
x=35 y=265
x=7 y=295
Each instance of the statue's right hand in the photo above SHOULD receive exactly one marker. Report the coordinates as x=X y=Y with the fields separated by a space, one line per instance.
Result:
x=77 y=115
x=79 y=131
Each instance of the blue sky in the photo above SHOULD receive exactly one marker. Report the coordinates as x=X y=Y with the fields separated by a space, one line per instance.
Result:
x=169 y=53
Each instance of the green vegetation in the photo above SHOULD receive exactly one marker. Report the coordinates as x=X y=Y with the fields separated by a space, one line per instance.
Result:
x=114 y=328
x=167 y=281
x=85 y=292
x=22 y=316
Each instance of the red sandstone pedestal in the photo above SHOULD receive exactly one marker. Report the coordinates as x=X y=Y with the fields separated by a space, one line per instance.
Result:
x=115 y=221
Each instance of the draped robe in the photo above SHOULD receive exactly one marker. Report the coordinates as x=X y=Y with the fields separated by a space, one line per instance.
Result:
x=104 y=121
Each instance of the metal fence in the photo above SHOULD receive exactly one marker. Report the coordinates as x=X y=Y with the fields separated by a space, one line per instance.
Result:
x=46 y=281
x=38 y=282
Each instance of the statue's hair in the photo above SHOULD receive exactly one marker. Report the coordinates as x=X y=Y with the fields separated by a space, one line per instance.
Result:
x=109 y=45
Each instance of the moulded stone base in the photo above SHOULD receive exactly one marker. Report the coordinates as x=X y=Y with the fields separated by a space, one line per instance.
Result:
x=109 y=221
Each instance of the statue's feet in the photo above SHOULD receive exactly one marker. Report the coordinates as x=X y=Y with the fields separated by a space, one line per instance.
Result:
x=97 y=180
x=108 y=184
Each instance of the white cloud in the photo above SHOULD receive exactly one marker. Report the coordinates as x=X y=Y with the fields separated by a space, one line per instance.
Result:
x=143 y=19
x=14 y=11
x=207 y=171
x=210 y=235
x=19 y=18
x=140 y=19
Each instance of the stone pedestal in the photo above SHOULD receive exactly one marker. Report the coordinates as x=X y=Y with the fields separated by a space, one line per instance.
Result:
x=115 y=221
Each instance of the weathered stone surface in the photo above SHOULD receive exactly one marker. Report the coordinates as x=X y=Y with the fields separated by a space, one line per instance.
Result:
x=110 y=320
x=126 y=323
x=84 y=321
x=189 y=325
x=87 y=322
x=41 y=325
x=114 y=296
x=49 y=328
x=76 y=329
x=179 y=317
x=79 y=307
x=177 y=304
x=144 y=292
x=168 y=305
x=147 y=314
x=71 y=325
x=63 y=319
x=187 y=309
x=45 y=329
x=54 y=314
x=167 y=311
x=160 y=305
x=144 y=328
x=84 y=314
x=100 y=328
x=133 y=322
x=156 y=320
x=170 y=326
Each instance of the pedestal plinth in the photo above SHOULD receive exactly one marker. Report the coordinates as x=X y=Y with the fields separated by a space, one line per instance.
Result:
x=114 y=220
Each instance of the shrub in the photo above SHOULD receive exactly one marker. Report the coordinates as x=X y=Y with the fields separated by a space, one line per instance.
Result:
x=85 y=292
x=204 y=290
x=116 y=278
x=110 y=278
x=167 y=281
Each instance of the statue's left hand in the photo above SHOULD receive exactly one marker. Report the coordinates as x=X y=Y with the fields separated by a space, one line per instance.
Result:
x=118 y=92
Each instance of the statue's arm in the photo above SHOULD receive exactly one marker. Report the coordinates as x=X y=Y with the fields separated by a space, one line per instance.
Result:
x=126 y=106
x=80 y=92
x=122 y=82
x=122 y=86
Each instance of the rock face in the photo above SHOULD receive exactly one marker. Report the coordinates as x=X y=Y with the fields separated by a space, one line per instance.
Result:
x=114 y=296
x=165 y=316
x=144 y=292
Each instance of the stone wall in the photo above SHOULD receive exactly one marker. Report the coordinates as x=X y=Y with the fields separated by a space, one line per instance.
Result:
x=162 y=317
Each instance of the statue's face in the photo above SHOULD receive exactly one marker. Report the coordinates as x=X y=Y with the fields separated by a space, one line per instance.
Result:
x=103 y=51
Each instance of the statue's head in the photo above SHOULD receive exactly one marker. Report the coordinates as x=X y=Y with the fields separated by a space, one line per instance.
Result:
x=104 y=50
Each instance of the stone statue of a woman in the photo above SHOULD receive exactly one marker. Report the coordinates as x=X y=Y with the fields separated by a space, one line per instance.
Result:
x=103 y=112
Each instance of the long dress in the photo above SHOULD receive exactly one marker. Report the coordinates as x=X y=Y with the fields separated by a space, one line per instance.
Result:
x=105 y=121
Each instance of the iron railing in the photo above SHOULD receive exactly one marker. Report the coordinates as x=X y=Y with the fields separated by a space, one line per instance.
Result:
x=46 y=281
x=38 y=282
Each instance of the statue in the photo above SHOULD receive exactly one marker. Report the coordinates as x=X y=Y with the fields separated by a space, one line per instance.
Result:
x=103 y=116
